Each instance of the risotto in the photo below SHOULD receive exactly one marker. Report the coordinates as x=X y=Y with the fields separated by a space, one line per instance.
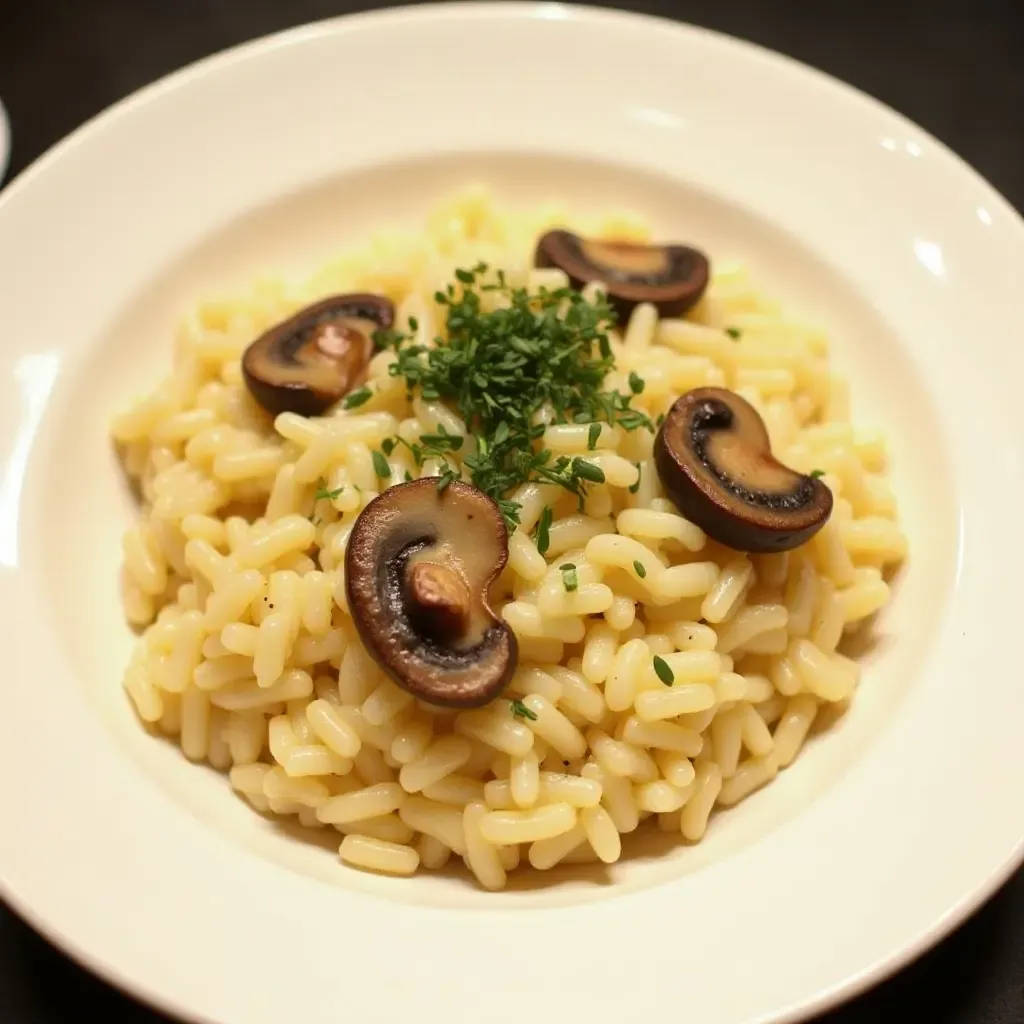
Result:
x=500 y=539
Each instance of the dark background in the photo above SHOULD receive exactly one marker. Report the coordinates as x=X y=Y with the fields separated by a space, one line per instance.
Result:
x=955 y=68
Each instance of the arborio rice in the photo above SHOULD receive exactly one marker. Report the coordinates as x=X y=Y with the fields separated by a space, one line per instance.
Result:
x=248 y=653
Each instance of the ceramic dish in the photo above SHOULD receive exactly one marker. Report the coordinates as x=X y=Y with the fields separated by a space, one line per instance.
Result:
x=5 y=141
x=266 y=160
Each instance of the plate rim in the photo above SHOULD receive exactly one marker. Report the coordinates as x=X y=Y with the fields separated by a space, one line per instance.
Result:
x=475 y=9
x=5 y=142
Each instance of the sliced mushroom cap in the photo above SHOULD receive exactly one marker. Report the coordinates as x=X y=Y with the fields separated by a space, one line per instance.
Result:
x=306 y=363
x=715 y=462
x=418 y=571
x=672 y=277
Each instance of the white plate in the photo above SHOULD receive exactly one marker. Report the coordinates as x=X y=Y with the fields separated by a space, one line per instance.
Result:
x=876 y=843
x=5 y=142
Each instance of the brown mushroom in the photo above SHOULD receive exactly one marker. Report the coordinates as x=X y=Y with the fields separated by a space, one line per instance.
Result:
x=716 y=464
x=306 y=363
x=672 y=277
x=418 y=571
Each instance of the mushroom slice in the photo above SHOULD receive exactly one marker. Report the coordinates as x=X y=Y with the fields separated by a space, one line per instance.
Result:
x=418 y=570
x=715 y=462
x=672 y=277
x=306 y=363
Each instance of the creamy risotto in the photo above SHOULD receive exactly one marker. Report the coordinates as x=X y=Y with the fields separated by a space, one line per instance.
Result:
x=502 y=539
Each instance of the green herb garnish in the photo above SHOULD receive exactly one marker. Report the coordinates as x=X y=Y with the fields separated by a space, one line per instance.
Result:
x=436 y=445
x=638 y=568
x=447 y=476
x=662 y=670
x=639 y=473
x=543 y=529
x=592 y=435
x=816 y=474
x=570 y=579
x=520 y=710
x=440 y=442
x=323 y=494
x=584 y=470
x=636 y=383
x=498 y=369
x=380 y=465
x=356 y=398
x=734 y=332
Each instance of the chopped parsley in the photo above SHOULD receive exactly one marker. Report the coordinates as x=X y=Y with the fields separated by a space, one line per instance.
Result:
x=380 y=465
x=816 y=474
x=447 y=476
x=520 y=710
x=499 y=368
x=638 y=568
x=432 y=446
x=323 y=493
x=593 y=435
x=570 y=579
x=639 y=473
x=587 y=471
x=636 y=384
x=662 y=670
x=734 y=332
x=356 y=398
x=543 y=530
x=440 y=442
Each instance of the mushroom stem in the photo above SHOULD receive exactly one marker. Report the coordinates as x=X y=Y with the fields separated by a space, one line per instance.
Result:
x=438 y=600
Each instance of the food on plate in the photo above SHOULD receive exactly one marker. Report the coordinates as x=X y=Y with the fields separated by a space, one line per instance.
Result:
x=715 y=462
x=671 y=277
x=317 y=356
x=501 y=540
x=419 y=567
